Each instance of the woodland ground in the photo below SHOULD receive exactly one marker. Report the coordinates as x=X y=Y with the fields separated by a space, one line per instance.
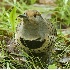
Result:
x=59 y=15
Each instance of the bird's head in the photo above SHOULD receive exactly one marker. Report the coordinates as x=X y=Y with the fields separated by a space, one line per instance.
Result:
x=32 y=16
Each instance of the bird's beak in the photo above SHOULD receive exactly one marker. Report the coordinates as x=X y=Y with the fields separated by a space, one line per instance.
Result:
x=22 y=16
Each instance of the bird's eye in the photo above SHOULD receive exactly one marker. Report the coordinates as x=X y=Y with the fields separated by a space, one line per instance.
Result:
x=35 y=15
x=24 y=13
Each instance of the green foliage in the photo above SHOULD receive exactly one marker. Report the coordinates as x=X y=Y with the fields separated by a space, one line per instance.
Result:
x=29 y=1
x=13 y=19
x=52 y=66
x=8 y=67
x=33 y=1
x=62 y=9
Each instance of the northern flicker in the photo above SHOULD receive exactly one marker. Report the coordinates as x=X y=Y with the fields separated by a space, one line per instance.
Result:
x=36 y=35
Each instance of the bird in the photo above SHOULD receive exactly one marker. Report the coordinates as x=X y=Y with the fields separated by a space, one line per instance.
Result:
x=36 y=35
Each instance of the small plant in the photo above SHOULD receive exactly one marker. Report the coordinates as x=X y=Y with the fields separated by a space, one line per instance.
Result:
x=62 y=12
x=12 y=19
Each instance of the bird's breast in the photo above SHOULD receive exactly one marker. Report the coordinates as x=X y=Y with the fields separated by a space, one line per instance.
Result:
x=30 y=32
